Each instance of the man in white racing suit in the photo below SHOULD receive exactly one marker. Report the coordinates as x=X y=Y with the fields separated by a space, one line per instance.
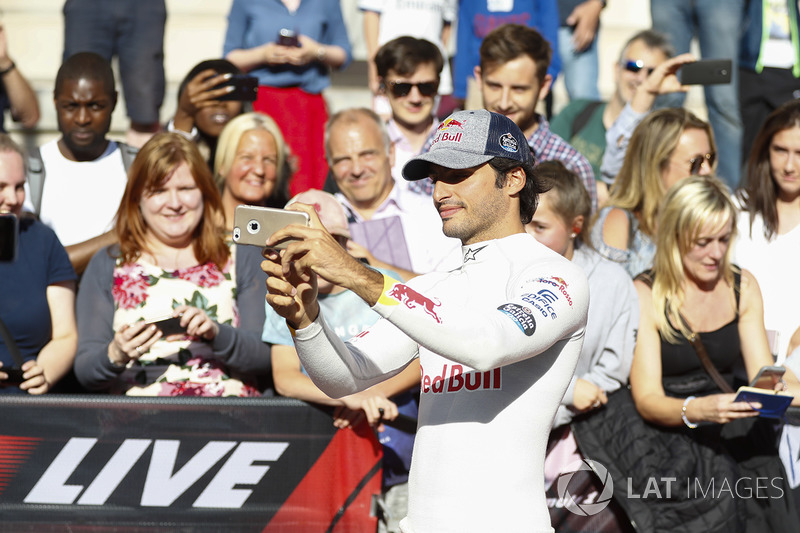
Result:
x=498 y=339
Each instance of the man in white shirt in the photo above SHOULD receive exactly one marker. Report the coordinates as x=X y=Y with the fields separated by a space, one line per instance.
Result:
x=497 y=339
x=360 y=156
x=82 y=177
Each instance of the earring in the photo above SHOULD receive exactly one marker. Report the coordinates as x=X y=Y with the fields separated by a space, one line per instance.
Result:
x=573 y=235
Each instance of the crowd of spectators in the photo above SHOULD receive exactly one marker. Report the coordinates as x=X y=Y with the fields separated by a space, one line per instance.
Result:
x=684 y=227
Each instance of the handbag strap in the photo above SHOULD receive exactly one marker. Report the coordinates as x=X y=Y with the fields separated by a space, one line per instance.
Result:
x=708 y=365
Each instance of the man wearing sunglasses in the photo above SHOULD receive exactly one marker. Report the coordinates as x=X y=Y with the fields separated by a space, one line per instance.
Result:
x=409 y=71
x=583 y=123
x=512 y=76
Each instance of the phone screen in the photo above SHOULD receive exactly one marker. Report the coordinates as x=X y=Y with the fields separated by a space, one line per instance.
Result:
x=9 y=233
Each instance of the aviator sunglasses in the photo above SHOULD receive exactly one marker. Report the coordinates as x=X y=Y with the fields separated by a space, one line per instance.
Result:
x=402 y=88
x=696 y=163
x=636 y=66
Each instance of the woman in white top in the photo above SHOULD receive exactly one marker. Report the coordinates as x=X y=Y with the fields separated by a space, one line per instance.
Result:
x=769 y=222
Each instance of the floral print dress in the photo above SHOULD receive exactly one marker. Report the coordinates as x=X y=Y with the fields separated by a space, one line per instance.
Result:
x=185 y=366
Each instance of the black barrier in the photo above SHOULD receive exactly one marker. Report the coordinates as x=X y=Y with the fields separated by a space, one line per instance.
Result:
x=103 y=463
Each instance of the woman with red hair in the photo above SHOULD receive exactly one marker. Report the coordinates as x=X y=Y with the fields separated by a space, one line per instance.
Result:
x=171 y=261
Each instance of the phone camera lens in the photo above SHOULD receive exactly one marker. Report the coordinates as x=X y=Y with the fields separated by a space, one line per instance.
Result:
x=253 y=226
x=236 y=234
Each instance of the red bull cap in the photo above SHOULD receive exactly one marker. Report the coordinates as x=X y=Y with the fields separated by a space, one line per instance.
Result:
x=467 y=139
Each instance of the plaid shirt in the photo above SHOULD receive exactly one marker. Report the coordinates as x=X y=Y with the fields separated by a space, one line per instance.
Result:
x=425 y=185
x=547 y=146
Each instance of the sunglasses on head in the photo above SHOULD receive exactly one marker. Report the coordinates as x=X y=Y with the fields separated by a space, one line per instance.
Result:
x=636 y=66
x=402 y=88
x=696 y=163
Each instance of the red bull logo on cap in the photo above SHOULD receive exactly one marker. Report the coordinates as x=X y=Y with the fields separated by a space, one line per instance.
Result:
x=450 y=123
x=412 y=299
x=444 y=131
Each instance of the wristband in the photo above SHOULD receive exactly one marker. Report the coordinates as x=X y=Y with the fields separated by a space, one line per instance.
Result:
x=8 y=69
x=689 y=425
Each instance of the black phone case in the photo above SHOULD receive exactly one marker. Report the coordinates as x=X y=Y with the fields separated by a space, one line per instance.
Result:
x=706 y=72
x=14 y=376
x=245 y=89
x=170 y=326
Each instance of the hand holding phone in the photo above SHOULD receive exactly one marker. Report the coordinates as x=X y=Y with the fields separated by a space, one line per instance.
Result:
x=253 y=225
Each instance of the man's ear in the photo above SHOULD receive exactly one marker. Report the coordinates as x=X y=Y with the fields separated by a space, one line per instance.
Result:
x=381 y=86
x=515 y=181
x=544 y=90
x=477 y=73
x=114 y=100
x=391 y=154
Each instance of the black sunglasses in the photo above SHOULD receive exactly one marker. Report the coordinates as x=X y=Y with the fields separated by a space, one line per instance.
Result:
x=637 y=66
x=696 y=163
x=402 y=88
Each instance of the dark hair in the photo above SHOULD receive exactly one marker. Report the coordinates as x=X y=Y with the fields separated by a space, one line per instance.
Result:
x=529 y=195
x=405 y=54
x=86 y=65
x=651 y=39
x=759 y=192
x=509 y=41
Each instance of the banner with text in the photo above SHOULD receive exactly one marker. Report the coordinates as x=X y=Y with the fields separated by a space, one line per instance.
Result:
x=182 y=464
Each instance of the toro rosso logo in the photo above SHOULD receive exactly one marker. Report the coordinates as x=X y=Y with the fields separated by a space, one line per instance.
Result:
x=560 y=284
x=444 y=133
x=412 y=299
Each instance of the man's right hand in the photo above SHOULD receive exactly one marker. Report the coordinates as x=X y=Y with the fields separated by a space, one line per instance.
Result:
x=317 y=251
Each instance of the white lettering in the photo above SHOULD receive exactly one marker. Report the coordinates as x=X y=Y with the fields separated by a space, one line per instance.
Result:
x=114 y=472
x=162 y=487
x=239 y=470
x=630 y=491
x=52 y=487
x=651 y=488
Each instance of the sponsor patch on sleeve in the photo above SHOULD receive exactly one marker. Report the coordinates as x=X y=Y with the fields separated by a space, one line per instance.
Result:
x=521 y=315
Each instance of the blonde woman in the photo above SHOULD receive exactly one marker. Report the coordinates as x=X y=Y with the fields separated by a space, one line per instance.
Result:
x=666 y=147
x=689 y=429
x=253 y=164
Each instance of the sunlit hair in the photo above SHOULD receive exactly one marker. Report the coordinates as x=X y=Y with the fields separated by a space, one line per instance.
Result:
x=510 y=41
x=759 y=193
x=638 y=187
x=228 y=144
x=568 y=196
x=7 y=144
x=693 y=205
x=154 y=165
x=352 y=116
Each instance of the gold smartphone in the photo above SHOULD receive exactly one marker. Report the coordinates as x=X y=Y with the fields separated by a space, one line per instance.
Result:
x=254 y=225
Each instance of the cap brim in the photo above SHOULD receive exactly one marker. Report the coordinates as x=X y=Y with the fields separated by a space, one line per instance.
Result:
x=419 y=167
